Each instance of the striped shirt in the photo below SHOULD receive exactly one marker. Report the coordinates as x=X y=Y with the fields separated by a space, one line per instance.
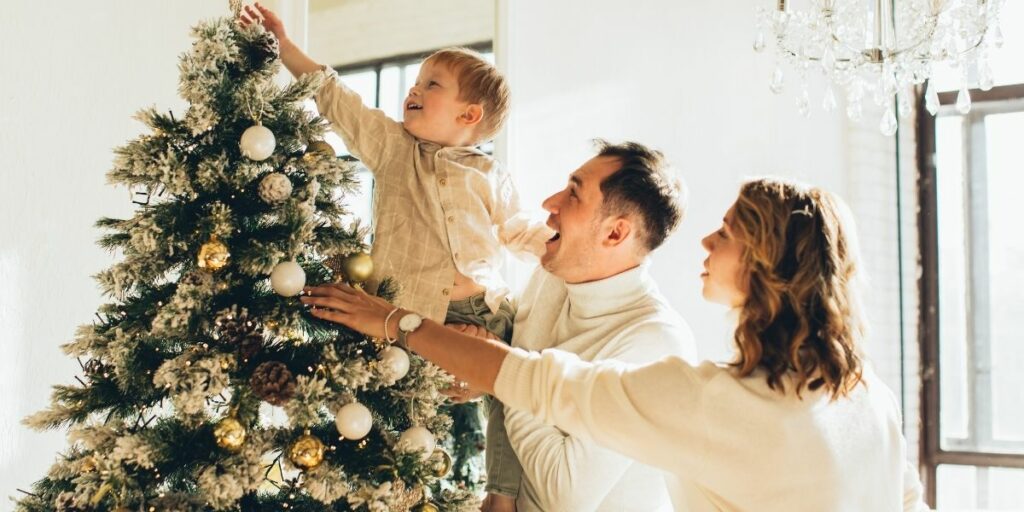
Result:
x=437 y=210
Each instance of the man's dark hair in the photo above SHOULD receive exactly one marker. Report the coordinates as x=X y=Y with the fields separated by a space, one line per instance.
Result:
x=643 y=187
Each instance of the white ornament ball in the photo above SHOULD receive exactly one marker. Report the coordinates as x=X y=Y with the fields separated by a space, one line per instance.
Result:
x=257 y=143
x=288 y=278
x=354 y=421
x=417 y=439
x=275 y=188
x=396 y=361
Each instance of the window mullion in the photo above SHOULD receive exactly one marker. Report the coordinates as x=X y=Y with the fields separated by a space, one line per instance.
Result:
x=977 y=239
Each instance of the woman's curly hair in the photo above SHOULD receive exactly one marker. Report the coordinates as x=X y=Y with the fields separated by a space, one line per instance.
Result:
x=801 y=315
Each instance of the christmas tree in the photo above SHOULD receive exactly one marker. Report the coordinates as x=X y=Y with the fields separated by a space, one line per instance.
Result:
x=205 y=384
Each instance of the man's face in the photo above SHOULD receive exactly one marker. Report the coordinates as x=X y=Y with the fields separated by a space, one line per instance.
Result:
x=576 y=217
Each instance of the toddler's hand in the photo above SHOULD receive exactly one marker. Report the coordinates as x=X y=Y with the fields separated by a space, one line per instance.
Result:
x=265 y=17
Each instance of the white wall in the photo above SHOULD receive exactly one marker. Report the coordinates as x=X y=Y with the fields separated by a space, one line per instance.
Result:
x=349 y=31
x=679 y=76
x=75 y=74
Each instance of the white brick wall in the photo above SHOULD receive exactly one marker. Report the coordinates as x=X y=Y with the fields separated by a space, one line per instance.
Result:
x=349 y=31
x=871 y=194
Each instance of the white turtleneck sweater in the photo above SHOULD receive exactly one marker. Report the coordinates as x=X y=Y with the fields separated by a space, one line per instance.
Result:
x=732 y=443
x=622 y=318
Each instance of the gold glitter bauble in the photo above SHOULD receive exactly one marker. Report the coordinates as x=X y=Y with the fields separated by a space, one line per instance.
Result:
x=426 y=506
x=229 y=434
x=441 y=461
x=307 y=452
x=213 y=255
x=88 y=464
x=321 y=147
x=357 y=267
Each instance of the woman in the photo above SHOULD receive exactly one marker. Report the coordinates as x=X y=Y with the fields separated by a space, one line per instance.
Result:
x=796 y=422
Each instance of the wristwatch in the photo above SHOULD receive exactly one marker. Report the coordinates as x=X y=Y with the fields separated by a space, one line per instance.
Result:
x=406 y=325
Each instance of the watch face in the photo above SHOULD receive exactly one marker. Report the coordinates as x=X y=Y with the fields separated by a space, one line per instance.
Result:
x=410 y=322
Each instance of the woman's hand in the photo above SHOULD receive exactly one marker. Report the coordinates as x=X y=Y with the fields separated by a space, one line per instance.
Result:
x=355 y=309
x=476 y=331
x=460 y=392
x=265 y=17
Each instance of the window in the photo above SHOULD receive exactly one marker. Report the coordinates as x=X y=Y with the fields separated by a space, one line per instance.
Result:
x=972 y=258
x=384 y=84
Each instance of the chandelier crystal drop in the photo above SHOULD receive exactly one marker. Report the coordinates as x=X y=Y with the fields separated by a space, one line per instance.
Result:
x=880 y=49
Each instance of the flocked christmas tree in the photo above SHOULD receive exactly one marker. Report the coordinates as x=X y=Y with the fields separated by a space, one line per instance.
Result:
x=206 y=386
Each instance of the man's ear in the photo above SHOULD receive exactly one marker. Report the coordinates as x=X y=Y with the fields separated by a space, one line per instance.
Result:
x=618 y=229
x=473 y=114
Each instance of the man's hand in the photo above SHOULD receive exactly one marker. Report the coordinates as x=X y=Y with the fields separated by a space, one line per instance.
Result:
x=265 y=17
x=498 y=503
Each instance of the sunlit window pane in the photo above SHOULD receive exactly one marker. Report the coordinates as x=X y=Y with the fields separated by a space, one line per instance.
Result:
x=959 y=486
x=953 y=334
x=392 y=92
x=1006 y=273
x=1005 y=61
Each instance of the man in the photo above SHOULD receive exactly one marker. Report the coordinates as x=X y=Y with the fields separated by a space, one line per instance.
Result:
x=594 y=298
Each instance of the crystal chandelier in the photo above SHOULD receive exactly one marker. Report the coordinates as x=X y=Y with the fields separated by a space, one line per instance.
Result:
x=881 y=49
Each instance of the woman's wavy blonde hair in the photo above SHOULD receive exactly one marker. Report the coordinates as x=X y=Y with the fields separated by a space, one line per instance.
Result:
x=801 y=316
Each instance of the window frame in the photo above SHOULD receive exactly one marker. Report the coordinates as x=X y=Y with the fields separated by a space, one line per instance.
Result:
x=1006 y=98
x=378 y=65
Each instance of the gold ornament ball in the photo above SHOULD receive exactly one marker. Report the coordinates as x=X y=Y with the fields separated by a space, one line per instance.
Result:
x=426 y=506
x=307 y=452
x=213 y=255
x=320 y=147
x=357 y=267
x=442 y=463
x=229 y=434
x=88 y=464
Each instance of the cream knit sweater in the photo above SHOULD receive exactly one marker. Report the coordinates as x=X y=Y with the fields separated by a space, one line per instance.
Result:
x=730 y=443
x=622 y=318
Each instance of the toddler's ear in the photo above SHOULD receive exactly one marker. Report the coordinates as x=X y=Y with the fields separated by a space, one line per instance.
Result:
x=473 y=114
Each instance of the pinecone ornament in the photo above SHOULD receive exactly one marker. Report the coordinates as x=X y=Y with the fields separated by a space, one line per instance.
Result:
x=273 y=382
x=262 y=50
x=95 y=369
x=241 y=332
